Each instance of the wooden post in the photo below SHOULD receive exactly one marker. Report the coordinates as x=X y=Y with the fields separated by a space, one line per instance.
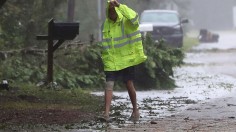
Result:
x=50 y=52
x=70 y=10
x=2 y=2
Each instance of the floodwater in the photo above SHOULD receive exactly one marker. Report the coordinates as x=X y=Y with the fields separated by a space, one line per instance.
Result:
x=208 y=73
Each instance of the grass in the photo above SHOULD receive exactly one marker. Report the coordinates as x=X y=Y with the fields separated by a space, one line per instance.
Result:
x=23 y=105
x=190 y=40
x=33 y=97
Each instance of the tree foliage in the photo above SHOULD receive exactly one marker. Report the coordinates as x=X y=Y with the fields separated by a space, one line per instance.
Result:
x=22 y=20
x=79 y=67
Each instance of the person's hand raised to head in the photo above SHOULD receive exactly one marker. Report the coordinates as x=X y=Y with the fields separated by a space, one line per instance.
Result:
x=114 y=3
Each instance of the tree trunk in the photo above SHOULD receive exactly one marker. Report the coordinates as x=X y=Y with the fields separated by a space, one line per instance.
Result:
x=2 y=3
x=71 y=10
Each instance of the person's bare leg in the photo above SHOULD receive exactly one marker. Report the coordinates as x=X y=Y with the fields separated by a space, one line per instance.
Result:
x=108 y=97
x=132 y=95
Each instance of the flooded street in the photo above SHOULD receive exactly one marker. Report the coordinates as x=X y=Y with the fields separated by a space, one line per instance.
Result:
x=204 y=99
x=216 y=58
x=209 y=73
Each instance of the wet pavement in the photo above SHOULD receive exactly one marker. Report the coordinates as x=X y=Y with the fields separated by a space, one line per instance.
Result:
x=216 y=58
x=204 y=99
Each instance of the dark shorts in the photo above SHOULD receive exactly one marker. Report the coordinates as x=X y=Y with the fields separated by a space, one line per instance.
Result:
x=126 y=74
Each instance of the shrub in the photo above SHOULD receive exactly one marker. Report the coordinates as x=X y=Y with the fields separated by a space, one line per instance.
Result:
x=82 y=67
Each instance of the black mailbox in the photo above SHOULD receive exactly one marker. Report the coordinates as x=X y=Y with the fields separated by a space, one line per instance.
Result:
x=61 y=32
x=65 y=31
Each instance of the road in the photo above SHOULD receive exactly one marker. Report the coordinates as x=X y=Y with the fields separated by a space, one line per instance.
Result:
x=218 y=57
x=208 y=78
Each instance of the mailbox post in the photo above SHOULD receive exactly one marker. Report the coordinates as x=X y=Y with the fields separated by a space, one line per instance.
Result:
x=59 y=32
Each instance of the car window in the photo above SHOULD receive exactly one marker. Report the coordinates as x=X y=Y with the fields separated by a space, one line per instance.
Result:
x=159 y=17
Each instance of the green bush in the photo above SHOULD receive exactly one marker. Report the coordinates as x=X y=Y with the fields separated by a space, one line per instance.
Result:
x=157 y=70
x=82 y=67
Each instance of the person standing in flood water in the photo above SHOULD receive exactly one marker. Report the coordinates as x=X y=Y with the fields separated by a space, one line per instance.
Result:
x=122 y=51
